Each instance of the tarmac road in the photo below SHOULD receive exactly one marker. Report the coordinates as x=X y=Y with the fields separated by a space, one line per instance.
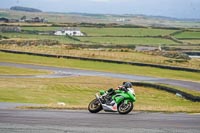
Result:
x=52 y=121
x=69 y=121
x=65 y=72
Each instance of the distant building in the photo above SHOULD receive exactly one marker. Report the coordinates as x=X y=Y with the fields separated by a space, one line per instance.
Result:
x=38 y=20
x=23 y=19
x=122 y=20
x=5 y=20
x=13 y=20
x=33 y=20
x=146 y=48
x=69 y=31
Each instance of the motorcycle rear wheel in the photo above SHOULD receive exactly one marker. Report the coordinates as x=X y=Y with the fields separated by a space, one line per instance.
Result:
x=124 y=108
x=95 y=106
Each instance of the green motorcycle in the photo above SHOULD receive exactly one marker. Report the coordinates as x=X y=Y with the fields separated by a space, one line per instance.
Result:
x=114 y=101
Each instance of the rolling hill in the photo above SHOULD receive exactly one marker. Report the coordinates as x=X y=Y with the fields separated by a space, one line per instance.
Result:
x=140 y=20
x=25 y=9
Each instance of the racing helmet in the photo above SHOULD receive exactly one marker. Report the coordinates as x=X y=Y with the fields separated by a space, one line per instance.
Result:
x=128 y=85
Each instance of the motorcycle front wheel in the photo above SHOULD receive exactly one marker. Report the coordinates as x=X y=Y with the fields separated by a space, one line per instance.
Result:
x=124 y=108
x=94 y=106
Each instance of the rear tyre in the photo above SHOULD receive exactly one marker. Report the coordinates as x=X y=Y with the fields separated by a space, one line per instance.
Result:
x=94 y=106
x=124 y=108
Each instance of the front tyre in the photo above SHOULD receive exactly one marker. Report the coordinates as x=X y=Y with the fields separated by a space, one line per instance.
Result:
x=124 y=108
x=94 y=106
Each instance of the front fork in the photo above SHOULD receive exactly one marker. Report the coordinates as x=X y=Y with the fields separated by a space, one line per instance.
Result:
x=97 y=96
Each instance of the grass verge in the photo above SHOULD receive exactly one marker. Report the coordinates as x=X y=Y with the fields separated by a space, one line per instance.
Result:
x=100 y=66
x=192 y=92
x=128 y=40
x=112 y=54
x=77 y=92
x=4 y=70
x=188 y=34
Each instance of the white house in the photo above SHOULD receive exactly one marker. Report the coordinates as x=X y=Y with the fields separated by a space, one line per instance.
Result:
x=68 y=31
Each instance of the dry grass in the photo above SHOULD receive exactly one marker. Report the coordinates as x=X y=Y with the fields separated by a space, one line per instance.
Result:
x=25 y=24
x=77 y=92
x=114 y=55
x=192 y=41
x=72 y=90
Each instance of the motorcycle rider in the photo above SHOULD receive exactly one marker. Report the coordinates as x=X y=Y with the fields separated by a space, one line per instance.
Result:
x=112 y=92
x=125 y=86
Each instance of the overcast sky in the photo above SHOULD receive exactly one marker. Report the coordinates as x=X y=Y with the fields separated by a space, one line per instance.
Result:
x=170 y=8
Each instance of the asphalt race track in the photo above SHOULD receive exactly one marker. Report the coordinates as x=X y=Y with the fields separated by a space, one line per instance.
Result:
x=65 y=72
x=52 y=121
x=77 y=121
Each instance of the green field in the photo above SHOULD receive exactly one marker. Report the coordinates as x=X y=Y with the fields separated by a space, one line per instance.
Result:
x=119 y=35
x=126 y=31
x=125 y=36
x=192 y=37
x=105 y=36
x=128 y=40
x=188 y=34
x=95 y=40
x=109 y=67
x=91 y=31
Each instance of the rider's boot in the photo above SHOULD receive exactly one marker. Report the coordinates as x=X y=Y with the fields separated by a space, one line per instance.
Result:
x=111 y=103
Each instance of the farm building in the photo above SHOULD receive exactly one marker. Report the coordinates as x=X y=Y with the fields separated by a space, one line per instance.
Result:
x=69 y=31
x=147 y=48
x=33 y=20
x=38 y=20
x=5 y=20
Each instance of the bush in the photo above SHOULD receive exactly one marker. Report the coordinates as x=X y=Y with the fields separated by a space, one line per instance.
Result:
x=30 y=42
x=73 y=38
x=3 y=37
x=176 y=55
